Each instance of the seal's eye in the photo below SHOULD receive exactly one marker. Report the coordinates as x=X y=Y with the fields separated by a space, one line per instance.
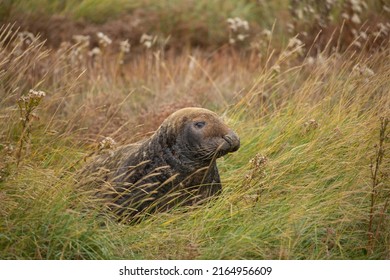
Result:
x=200 y=124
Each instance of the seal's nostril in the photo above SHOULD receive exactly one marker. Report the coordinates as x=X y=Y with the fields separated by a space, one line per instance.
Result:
x=228 y=139
x=233 y=141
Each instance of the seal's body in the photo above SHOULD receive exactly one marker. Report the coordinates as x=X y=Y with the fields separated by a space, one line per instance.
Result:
x=176 y=165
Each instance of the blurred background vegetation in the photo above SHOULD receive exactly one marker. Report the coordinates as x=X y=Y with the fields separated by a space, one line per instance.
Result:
x=194 y=23
x=304 y=83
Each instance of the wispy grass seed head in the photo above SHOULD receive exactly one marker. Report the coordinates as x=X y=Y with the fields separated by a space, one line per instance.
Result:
x=82 y=40
x=107 y=144
x=104 y=40
x=148 y=40
x=125 y=46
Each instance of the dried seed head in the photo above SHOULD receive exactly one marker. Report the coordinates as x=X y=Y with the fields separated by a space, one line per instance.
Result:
x=238 y=30
x=290 y=28
x=107 y=144
x=241 y=37
x=267 y=33
x=75 y=55
x=358 y=6
x=95 y=52
x=363 y=35
x=345 y=16
x=145 y=37
x=357 y=44
x=237 y=23
x=32 y=99
x=81 y=40
x=363 y=70
x=258 y=160
x=125 y=46
x=294 y=45
x=26 y=37
x=37 y=94
x=330 y=3
x=310 y=60
x=148 y=44
x=310 y=125
x=148 y=40
x=383 y=29
x=276 y=68
x=294 y=42
x=299 y=13
x=356 y=19
x=104 y=40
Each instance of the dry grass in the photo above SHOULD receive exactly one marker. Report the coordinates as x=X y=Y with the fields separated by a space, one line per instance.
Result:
x=300 y=187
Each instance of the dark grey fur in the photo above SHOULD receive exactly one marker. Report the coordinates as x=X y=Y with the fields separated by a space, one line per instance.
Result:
x=175 y=166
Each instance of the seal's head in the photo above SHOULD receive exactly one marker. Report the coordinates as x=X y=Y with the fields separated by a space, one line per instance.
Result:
x=200 y=135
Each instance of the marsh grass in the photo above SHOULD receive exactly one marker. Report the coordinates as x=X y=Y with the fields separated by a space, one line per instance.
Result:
x=300 y=187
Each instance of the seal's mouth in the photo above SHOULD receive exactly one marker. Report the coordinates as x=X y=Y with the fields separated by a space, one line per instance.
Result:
x=232 y=142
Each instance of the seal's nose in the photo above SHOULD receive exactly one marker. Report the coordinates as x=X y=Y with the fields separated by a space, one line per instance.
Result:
x=233 y=140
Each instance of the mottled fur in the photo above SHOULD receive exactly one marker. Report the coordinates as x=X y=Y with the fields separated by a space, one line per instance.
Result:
x=176 y=165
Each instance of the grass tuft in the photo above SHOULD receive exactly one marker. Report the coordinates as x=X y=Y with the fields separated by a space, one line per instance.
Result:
x=310 y=180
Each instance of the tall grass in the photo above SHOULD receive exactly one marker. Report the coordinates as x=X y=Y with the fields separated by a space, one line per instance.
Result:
x=300 y=187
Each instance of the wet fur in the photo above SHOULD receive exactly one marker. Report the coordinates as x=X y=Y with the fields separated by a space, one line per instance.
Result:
x=175 y=166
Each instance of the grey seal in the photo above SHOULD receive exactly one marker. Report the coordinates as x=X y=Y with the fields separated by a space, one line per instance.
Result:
x=175 y=166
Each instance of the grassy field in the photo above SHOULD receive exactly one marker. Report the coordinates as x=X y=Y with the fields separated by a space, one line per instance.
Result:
x=310 y=181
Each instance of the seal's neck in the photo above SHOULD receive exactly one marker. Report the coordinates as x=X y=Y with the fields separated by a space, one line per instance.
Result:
x=164 y=143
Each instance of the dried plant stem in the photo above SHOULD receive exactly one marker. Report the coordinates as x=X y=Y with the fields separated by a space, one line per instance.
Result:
x=27 y=104
x=25 y=121
x=375 y=169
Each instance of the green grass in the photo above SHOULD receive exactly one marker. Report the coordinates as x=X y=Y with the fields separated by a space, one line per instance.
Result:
x=299 y=187
x=92 y=10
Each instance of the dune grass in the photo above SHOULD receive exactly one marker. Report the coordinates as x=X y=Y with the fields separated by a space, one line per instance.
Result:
x=309 y=182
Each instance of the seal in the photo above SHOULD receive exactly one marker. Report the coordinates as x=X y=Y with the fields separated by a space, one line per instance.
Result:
x=175 y=166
